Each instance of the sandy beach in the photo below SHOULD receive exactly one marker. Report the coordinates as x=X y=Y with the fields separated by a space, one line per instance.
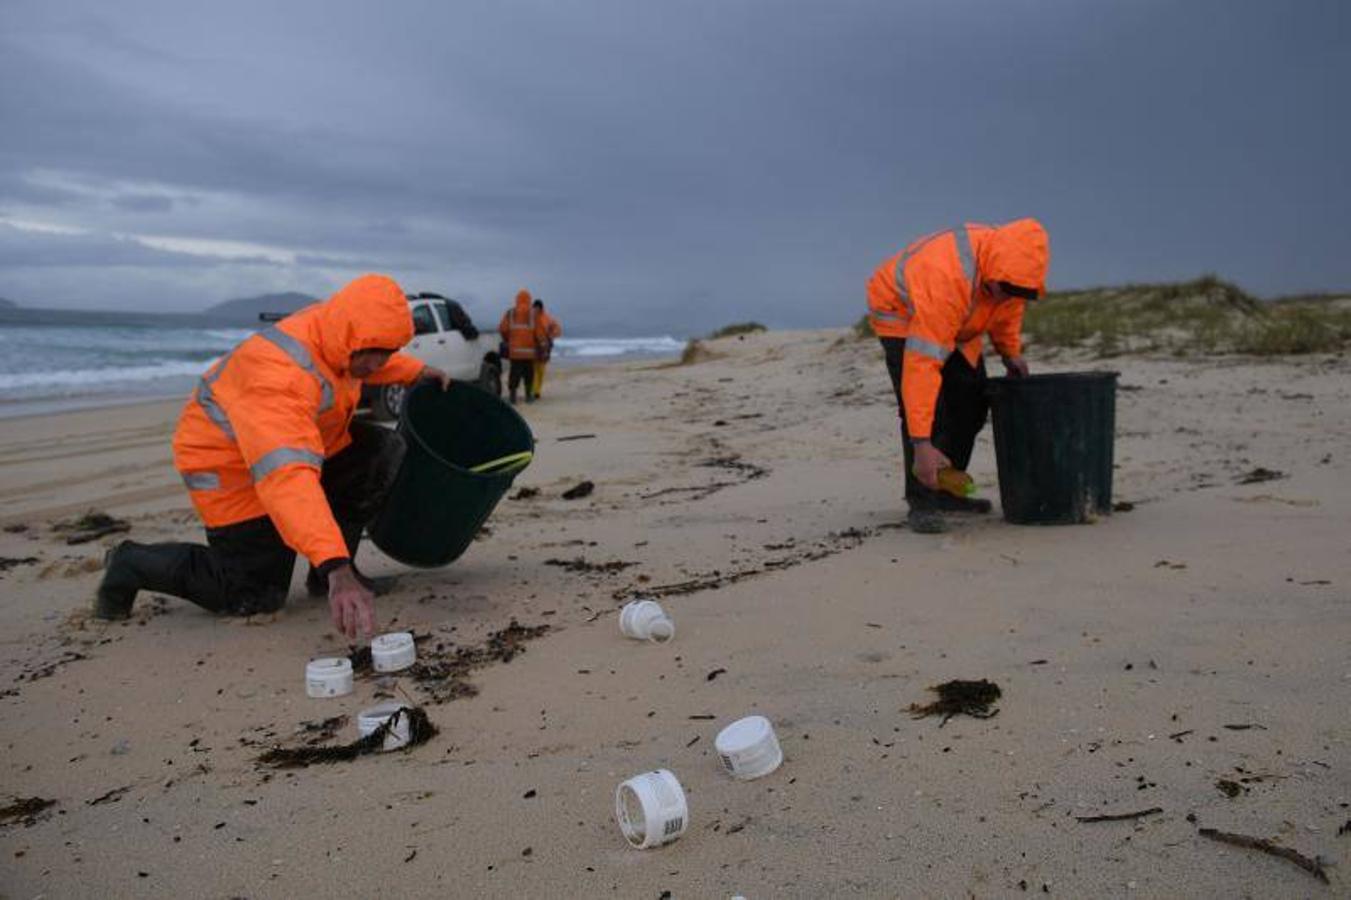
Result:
x=1201 y=635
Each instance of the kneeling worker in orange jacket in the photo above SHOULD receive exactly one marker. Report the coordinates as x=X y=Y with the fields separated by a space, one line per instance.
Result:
x=931 y=305
x=274 y=464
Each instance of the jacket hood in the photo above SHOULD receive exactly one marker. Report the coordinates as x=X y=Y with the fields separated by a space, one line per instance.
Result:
x=523 y=300
x=370 y=313
x=1019 y=252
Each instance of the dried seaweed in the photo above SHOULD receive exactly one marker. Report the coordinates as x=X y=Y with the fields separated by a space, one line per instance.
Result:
x=580 y=565
x=420 y=731
x=445 y=677
x=1311 y=866
x=9 y=562
x=23 y=809
x=972 y=698
x=90 y=526
x=580 y=490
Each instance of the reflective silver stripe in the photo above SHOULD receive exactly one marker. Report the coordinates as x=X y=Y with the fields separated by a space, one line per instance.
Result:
x=201 y=481
x=964 y=254
x=900 y=283
x=301 y=357
x=528 y=325
x=878 y=314
x=207 y=400
x=927 y=348
x=284 y=456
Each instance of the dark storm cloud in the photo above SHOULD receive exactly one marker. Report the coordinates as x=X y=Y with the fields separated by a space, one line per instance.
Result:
x=670 y=167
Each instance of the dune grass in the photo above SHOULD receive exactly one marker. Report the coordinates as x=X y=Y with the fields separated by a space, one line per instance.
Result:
x=737 y=328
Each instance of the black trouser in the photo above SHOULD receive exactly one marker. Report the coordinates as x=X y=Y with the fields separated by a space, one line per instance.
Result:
x=246 y=567
x=958 y=417
x=522 y=370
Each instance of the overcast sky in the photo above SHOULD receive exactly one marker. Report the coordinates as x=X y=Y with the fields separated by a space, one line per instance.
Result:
x=654 y=167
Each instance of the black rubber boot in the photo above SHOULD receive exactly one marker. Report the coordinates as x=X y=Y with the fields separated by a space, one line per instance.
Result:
x=948 y=503
x=926 y=521
x=131 y=567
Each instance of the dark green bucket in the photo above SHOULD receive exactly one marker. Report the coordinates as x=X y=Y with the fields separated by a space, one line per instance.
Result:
x=437 y=504
x=1053 y=438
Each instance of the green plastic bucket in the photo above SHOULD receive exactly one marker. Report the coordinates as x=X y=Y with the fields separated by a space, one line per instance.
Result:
x=465 y=448
x=1053 y=442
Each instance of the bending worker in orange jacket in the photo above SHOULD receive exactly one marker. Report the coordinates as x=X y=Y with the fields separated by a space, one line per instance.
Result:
x=523 y=332
x=930 y=305
x=274 y=464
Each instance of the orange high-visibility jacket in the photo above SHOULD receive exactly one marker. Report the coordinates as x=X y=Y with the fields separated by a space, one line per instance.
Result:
x=521 y=328
x=254 y=435
x=551 y=330
x=931 y=294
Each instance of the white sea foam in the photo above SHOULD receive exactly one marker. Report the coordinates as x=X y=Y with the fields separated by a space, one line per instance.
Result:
x=105 y=376
x=601 y=347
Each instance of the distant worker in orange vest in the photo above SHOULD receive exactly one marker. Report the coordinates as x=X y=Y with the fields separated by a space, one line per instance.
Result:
x=522 y=332
x=931 y=305
x=552 y=331
x=275 y=465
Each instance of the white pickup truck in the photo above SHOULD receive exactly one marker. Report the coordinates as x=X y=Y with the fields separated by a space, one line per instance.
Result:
x=443 y=336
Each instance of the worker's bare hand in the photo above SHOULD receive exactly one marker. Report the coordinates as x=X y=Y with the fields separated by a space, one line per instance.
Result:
x=432 y=373
x=1016 y=366
x=352 y=605
x=928 y=460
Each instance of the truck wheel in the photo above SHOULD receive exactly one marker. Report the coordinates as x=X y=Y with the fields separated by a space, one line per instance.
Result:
x=388 y=402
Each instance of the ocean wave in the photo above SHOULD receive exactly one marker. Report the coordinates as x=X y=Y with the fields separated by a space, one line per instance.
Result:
x=103 y=376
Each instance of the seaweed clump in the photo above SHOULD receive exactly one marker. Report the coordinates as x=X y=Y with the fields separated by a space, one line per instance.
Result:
x=972 y=698
x=420 y=731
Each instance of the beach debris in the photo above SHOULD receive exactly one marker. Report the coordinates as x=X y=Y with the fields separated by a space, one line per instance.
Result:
x=1229 y=788
x=414 y=718
x=91 y=526
x=1123 y=506
x=1244 y=726
x=579 y=490
x=575 y=437
x=580 y=565
x=526 y=493
x=121 y=748
x=1177 y=736
x=972 y=698
x=651 y=809
x=10 y=562
x=749 y=748
x=15 y=528
x=330 y=676
x=1121 y=817
x=1312 y=866
x=1259 y=475
x=714 y=674
x=393 y=652
x=645 y=620
x=1345 y=829
x=24 y=809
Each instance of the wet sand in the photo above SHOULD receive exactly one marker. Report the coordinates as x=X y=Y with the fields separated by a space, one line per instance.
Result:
x=757 y=495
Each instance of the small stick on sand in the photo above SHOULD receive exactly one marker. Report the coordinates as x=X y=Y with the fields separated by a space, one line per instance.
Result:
x=1242 y=840
x=1119 y=817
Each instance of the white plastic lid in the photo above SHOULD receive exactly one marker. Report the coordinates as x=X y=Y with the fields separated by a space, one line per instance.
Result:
x=370 y=719
x=645 y=620
x=329 y=676
x=392 y=652
x=749 y=748
x=651 y=809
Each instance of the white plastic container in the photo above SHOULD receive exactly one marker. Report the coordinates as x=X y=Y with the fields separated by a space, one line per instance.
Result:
x=651 y=809
x=749 y=748
x=645 y=620
x=370 y=719
x=329 y=676
x=393 y=652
